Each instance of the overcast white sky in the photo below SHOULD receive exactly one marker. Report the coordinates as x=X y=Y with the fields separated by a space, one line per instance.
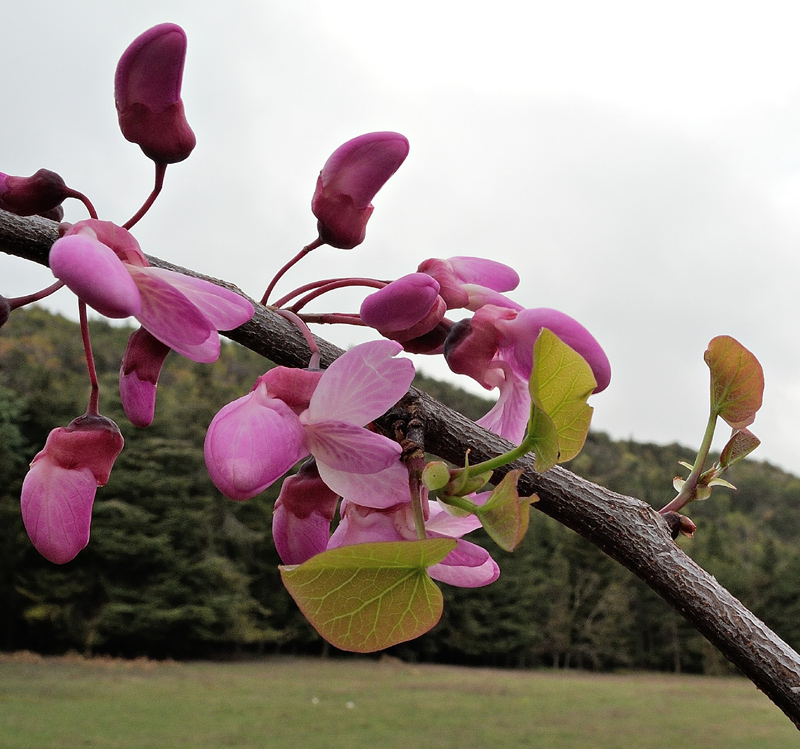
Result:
x=637 y=162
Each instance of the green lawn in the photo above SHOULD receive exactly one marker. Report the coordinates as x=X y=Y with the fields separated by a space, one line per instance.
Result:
x=305 y=704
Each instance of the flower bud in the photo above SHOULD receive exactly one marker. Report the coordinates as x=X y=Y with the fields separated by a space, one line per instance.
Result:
x=349 y=181
x=435 y=475
x=406 y=308
x=303 y=513
x=59 y=490
x=138 y=376
x=27 y=196
x=147 y=92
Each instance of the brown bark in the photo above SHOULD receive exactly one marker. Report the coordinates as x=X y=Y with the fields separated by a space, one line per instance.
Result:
x=626 y=529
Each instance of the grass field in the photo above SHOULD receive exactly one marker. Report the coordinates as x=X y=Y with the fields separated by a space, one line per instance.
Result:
x=331 y=704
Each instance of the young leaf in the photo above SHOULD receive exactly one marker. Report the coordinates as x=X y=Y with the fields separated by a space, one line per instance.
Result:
x=561 y=382
x=740 y=445
x=505 y=515
x=368 y=597
x=737 y=381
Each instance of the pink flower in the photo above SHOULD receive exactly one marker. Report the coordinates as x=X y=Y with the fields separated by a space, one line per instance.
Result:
x=58 y=492
x=467 y=566
x=138 y=376
x=40 y=193
x=147 y=92
x=256 y=439
x=103 y=265
x=495 y=348
x=252 y=442
x=349 y=181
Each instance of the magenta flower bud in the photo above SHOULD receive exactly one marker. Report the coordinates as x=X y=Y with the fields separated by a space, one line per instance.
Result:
x=138 y=376
x=304 y=510
x=147 y=92
x=59 y=490
x=349 y=181
x=27 y=196
x=406 y=308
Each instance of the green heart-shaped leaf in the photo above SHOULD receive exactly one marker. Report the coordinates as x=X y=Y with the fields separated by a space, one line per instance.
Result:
x=737 y=381
x=368 y=597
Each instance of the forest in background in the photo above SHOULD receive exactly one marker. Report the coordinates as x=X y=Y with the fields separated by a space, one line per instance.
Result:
x=174 y=569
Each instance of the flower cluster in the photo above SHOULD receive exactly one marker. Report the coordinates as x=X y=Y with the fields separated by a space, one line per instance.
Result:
x=291 y=414
x=389 y=507
x=102 y=264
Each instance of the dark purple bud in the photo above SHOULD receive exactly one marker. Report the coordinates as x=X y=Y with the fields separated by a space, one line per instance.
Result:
x=27 y=196
x=147 y=92
x=432 y=342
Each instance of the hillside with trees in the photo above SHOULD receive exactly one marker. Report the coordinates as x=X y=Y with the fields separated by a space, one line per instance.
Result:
x=174 y=569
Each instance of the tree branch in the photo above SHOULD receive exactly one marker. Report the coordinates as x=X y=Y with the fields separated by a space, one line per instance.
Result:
x=626 y=529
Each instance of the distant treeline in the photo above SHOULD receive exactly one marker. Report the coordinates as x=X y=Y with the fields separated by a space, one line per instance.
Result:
x=173 y=569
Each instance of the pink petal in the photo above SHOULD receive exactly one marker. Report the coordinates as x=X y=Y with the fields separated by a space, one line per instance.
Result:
x=345 y=447
x=508 y=418
x=489 y=273
x=521 y=333
x=441 y=522
x=251 y=443
x=376 y=490
x=362 y=384
x=173 y=319
x=96 y=275
x=479 y=296
x=298 y=539
x=225 y=309
x=361 y=525
x=120 y=240
x=467 y=566
x=57 y=509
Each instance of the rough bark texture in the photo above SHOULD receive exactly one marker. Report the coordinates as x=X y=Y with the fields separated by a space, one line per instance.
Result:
x=625 y=528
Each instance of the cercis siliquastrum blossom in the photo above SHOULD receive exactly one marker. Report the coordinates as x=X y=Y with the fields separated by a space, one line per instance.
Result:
x=147 y=93
x=59 y=490
x=495 y=348
x=349 y=181
x=292 y=413
x=104 y=266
